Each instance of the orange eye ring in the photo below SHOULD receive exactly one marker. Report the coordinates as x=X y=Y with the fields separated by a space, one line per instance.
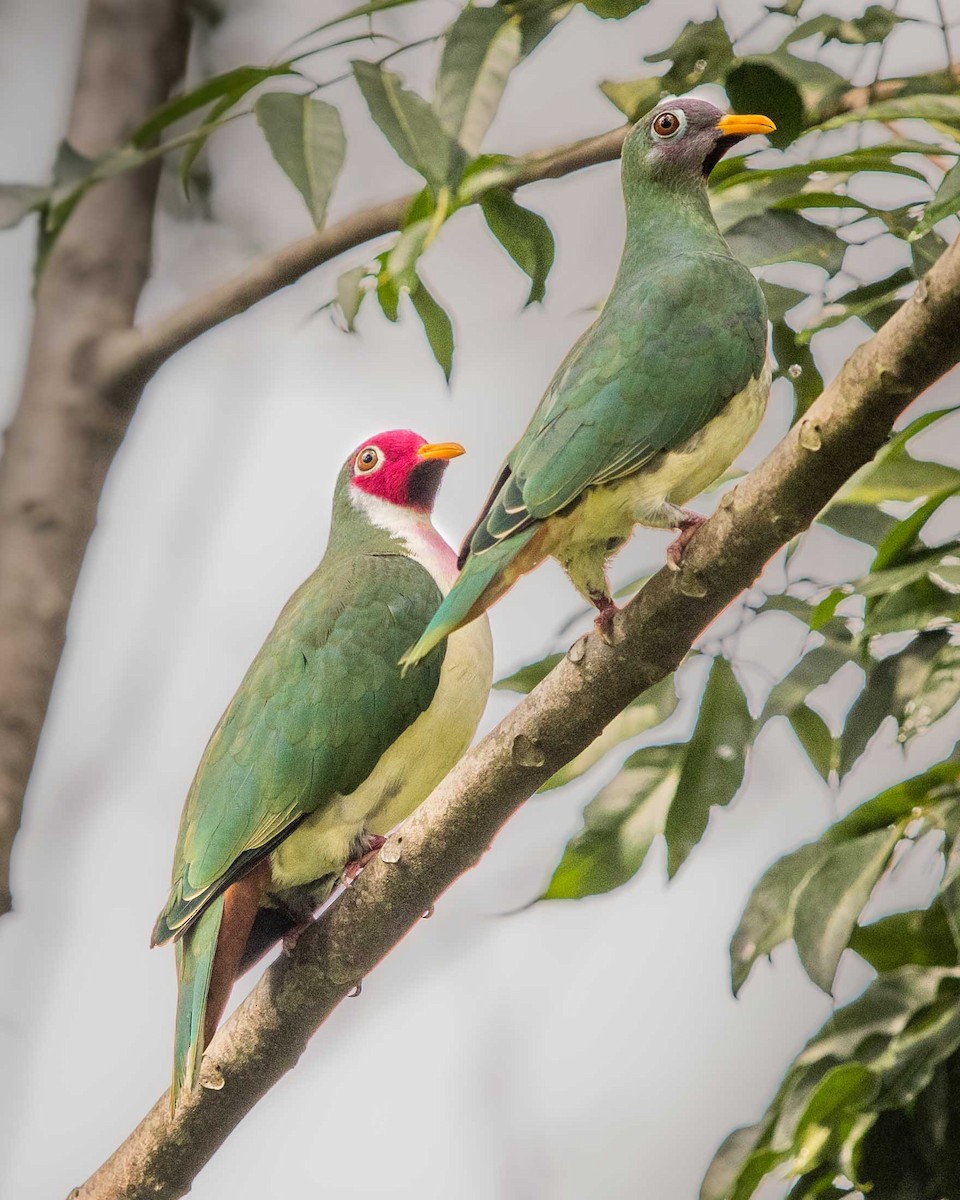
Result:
x=367 y=460
x=667 y=125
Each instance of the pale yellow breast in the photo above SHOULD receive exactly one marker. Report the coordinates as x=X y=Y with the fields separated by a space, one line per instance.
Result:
x=670 y=479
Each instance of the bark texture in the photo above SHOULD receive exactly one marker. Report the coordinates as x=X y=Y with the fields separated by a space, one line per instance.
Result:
x=449 y=833
x=68 y=424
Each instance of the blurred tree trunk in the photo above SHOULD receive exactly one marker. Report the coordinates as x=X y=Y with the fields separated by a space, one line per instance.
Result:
x=71 y=418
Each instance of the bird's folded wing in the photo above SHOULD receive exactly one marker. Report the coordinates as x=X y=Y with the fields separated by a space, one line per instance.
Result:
x=321 y=702
x=656 y=367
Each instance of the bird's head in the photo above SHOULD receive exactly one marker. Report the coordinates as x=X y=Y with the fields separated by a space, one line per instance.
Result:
x=683 y=140
x=400 y=467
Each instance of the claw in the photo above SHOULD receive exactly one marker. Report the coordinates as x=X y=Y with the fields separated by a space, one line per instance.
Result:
x=687 y=527
x=371 y=844
x=604 y=620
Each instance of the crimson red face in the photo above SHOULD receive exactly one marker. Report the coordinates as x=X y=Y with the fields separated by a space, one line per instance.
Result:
x=401 y=467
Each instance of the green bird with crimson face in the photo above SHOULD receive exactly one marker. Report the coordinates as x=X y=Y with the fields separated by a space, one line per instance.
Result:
x=655 y=400
x=326 y=746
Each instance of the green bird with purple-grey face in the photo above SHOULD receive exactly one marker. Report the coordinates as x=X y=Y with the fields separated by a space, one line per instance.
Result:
x=655 y=400
x=326 y=746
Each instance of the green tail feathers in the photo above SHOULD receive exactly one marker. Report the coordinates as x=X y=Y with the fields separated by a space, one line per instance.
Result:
x=195 y=953
x=466 y=599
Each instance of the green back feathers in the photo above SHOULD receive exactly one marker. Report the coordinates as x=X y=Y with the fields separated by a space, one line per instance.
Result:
x=656 y=367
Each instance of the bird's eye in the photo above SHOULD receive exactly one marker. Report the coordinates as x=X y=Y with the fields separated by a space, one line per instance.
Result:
x=667 y=125
x=368 y=460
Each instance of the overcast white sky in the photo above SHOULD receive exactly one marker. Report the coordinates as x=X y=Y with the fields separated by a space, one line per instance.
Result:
x=565 y=1051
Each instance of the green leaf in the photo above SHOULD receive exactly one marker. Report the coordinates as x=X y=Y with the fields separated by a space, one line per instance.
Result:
x=481 y=49
x=537 y=20
x=780 y=299
x=825 y=610
x=944 y=204
x=527 y=678
x=635 y=98
x=369 y=9
x=767 y=920
x=896 y=475
x=350 y=293
x=903 y=540
x=936 y=695
x=907 y=108
x=701 y=53
x=898 y=803
x=714 y=762
x=815 y=738
x=306 y=138
x=754 y=86
x=890 y=684
x=876 y=24
x=614 y=9
x=864 y=522
x=833 y=898
x=437 y=326
x=844 y=1087
x=729 y=1161
x=405 y=252
x=796 y=363
x=925 y=251
x=228 y=88
x=388 y=293
x=410 y=125
x=884 y=1010
x=619 y=826
x=17 y=200
x=816 y=667
x=650 y=709
x=920 y=606
x=524 y=235
x=778 y=236
x=921 y=938
x=816 y=83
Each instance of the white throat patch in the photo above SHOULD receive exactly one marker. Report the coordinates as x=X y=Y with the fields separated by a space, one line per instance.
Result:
x=415 y=530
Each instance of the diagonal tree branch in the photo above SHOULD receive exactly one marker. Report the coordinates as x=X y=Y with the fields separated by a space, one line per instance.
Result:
x=67 y=427
x=140 y=353
x=449 y=833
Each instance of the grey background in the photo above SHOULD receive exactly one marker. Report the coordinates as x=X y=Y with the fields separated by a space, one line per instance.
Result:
x=563 y=1051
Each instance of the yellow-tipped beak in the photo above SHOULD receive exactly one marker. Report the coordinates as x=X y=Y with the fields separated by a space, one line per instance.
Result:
x=434 y=450
x=735 y=125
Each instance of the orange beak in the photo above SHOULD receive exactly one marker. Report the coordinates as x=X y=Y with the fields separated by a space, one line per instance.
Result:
x=442 y=450
x=734 y=125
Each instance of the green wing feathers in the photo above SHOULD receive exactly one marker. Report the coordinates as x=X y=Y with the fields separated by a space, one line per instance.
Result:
x=658 y=365
x=319 y=705
x=478 y=574
x=195 y=954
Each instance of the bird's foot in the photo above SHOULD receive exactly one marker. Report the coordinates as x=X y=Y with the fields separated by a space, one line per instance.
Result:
x=371 y=844
x=686 y=528
x=606 y=611
x=292 y=936
x=297 y=909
